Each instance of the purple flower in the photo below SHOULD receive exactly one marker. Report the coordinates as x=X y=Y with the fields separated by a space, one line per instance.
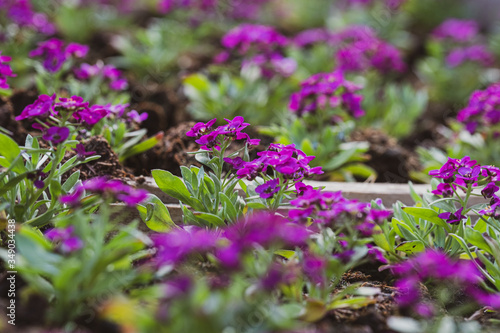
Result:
x=136 y=117
x=361 y=50
x=453 y=218
x=312 y=36
x=81 y=153
x=64 y=236
x=444 y=189
x=41 y=108
x=200 y=129
x=457 y=30
x=376 y=254
x=489 y=190
x=474 y=53
x=268 y=189
x=5 y=71
x=481 y=110
x=91 y=116
x=177 y=245
x=469 y=175
x=55 y=54
x=236 y=163
x=109 y=73
x=314 y=268
x=56 y=134
x=258 y=37
x=326 y=90
x=21 y=12
x=438 y=267
x=70 y=104
x=107 y=188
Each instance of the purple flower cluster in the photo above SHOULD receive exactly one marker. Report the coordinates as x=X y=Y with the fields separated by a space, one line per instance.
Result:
x=21 y=13
x=68 y=242
x=55 y=53
x=461 y=173
x=210 y=138
x=331 y=208
x=456 y=30
x=286 y=160
x=108 y=73
x=357 y=49
x=5 y=71
x=483 y=109
x=80 y=110
x=327 y=90
x=362 y=50
x=438 y=267
x=461 y=34
x=106 y=188
x=260 y=46
x=230 y=243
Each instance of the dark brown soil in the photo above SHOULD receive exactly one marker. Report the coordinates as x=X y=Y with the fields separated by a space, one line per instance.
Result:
x=392 y=162
x=370 y=319
x=108 y=165
x=7 y=121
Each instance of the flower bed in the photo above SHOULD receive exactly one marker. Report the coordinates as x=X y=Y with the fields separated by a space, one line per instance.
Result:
x=234 y=166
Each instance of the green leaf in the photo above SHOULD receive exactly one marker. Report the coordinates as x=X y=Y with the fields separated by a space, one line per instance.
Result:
x=476 y=238
x=426 y=214
x=10 y=151
x=155 y=214
x=212 y=219
x=71 y=181
x=287 y=254
x=12 y=182
x=411 y=247
x=380 y=239
x=175 y=187
x=142 y=146
x=229 y=209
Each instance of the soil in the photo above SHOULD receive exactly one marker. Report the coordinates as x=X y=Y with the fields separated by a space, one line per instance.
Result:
x=392 y=162
x=108 y=165
x=7 y=121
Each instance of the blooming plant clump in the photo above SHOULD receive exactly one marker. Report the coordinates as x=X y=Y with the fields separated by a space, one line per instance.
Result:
x=260 y=46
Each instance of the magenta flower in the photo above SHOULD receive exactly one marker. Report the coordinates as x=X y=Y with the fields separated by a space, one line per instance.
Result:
x=5 y=71
x=327 y=90
x=71 y=104
x=469 y=175
x=457 y=30
x=474 y=53
x=177 y=245
x=55 y=54
x=81 y=153
x=489 y=190
x=91 y=116
x=21 y=12
x=268 y=189
x=481 y=110
x=110 y=73
x=41 y=108
x=64 y=236
x=106 y=188
x=453 y=218
x=258 y=37
x=200 y=129
x=56 y=134
x=444 y=189
x=136 y=117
